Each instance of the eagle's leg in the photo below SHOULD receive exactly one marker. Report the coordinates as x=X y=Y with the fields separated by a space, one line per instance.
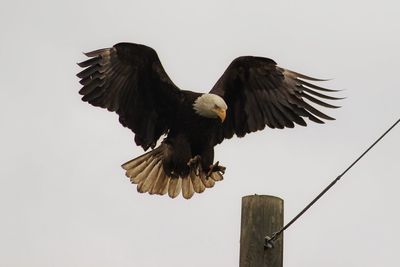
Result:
x=216 y=168
x=195 y=164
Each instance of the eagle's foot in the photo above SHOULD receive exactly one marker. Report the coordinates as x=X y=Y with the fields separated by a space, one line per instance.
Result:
x=195 y=164
x=216 y=168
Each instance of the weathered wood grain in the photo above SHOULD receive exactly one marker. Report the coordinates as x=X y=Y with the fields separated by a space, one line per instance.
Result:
x=261 y=216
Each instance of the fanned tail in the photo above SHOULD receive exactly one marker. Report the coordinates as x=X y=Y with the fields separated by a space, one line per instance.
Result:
x=148 y=173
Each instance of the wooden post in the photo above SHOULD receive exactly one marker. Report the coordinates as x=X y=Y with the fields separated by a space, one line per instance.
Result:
x=261 y=216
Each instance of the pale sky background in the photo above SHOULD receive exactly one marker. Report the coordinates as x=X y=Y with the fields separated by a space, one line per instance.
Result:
x=64 y=200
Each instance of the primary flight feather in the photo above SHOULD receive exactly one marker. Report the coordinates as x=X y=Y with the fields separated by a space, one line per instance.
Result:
x=252 y=93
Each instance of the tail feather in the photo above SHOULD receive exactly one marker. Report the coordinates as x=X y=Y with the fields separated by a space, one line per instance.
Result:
x=198 y=186
x=160 y=177
x=151 y=178
x=148 y=173
x=187 y=187
x=161 y=186
x=138 y=165
x=174 y=188
x=143 y=175
x=135 y=171
x=137 y=161
x=217 y=176
x=164 y=186
x=207 y=181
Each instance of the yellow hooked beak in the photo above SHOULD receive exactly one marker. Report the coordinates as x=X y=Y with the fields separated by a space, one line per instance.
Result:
x=221 y=113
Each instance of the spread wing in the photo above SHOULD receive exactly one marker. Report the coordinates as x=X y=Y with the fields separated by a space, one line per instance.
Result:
x=260 y=93
x=130 y=80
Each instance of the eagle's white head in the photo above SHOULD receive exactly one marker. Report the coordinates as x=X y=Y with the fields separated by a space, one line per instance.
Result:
x=210 y=106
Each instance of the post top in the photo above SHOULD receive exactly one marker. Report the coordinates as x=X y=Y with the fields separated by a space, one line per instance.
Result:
x=262 y=196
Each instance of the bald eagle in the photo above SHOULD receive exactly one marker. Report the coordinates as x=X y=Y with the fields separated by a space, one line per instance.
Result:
x=252 y=93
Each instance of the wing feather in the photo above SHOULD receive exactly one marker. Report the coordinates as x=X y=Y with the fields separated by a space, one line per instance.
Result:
x=319 y=102
x=130 y=80
x=260 y=93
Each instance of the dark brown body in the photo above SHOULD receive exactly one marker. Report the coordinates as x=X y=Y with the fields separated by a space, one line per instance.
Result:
x=190 y=135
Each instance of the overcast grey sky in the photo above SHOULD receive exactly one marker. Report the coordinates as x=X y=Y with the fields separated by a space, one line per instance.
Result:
x=65 y=201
